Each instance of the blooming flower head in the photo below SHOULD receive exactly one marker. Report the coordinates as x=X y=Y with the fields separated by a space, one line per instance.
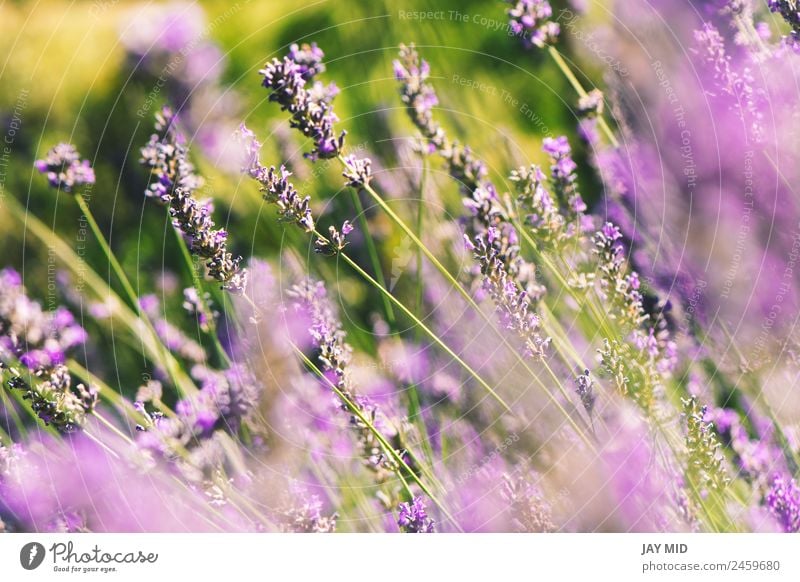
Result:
x=311 y=111
x=173 y=185
x=64 y=168
x=413 y=518
x=783 y=501
x=530 y=20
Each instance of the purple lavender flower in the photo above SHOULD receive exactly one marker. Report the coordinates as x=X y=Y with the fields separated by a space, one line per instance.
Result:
x=584 y=386
x=64 y=168
x=530 y=20
x=303 y=513
x=80 y=484
x=308 y=58
x=173 y=185
x=310 y=297
x=358 y=171
x=39 y=341
x=512 y=303
x=783 y=501
x=292 y=207
x=621 y=289
x=591 y=104
x=413 y=518
x=563 y=177
x=480 y=195
x=311 y=112
x=528 y=509
x=744 y=96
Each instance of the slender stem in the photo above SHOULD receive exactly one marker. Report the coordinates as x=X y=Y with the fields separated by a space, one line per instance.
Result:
x=372 y=252
x=468 y=298
x=576 y=84
x=388 y=448
x=201 y=295
x=181 y=381
x=423 y=181
x=428 y=332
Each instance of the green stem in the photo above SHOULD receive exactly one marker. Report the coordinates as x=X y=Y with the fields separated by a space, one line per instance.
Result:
x=180 y=380
x=372 y=252
x=388 y=448
x=468 y=298
x=576 y=84
x=201 y=294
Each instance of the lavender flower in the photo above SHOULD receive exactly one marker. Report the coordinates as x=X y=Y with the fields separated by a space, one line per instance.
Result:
x=584 y=386
x=174 y=185
x=311 y=112
x=40 y=341
x=512 y=303
x=357 y=171
x=744 y=97
x=310 y=297
x=529 y=511
x=547 y=224
x=303 y=513
x=308 y=58
x=292 y=207
x=705 y=470
x=783 y=502
x=591 y=104
x=413 y=518
x=64 y=168
x=563 y=177
x=530 y=20
x=417 y=94
x=480 y=195
x=621 y=289
x=53 y=398
x=553 y=219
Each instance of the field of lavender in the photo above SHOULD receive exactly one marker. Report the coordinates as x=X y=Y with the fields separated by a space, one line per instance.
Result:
x=397 y=266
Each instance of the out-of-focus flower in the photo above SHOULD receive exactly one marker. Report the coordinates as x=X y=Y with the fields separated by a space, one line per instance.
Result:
x=64 y=168
x=530 y=21
x=40 y=341
x=783 y=501
x=529 y=510
x=311 y=297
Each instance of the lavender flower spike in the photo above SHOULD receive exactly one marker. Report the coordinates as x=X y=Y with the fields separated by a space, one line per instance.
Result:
x=311 y=111
x=783 y=501
x=39 y=341
x=311 y=298
x=292 y=207
x=530 y=20
x=413 y=518
x=512 y=303
x=174 y=185
x=64 y=168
